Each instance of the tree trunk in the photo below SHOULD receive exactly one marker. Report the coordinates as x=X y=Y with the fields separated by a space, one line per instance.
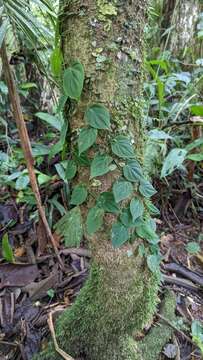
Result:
x=182 y=17
x=120 y=295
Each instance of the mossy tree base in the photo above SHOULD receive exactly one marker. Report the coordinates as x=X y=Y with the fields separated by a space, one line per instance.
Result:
x=118 y=299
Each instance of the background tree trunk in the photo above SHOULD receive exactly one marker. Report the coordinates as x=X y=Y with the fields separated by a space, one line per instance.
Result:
x=182 y=17
x=120 y=295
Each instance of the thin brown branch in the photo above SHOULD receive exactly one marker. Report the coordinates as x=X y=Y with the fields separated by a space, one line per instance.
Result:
x=57 y=348
x=25 y=143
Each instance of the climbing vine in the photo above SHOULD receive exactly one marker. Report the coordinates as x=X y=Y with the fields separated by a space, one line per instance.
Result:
x=129 y=200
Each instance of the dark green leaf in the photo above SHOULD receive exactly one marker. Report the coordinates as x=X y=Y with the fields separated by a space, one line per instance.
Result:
x=133 y=171
x=54 y=121
x=61 y=172
x=146 y=189
x=70 y=227
x=107 y=203
x=94 y=219
x=146 y=231
x=122 y=190
x=153 y=262
x=126 y=218
x=73 y=80
x=122 y=147
x=71 y=169
x=7 y=250
x=87 y=138
x=98 y=116
x=79 y=195
x=119 y=234
x=136 y=208
x=100 y=165
x=152 y=208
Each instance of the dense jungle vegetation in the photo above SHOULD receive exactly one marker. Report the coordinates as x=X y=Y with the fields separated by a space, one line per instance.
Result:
x=101 y=179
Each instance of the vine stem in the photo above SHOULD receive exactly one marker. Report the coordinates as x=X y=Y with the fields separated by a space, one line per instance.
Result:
x=25 y=144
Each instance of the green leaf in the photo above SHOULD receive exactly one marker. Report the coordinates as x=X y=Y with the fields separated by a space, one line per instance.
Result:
x=54 y=121
x=153 y=262
x=146 y=231
x=7 y=250
x=94 y=219
x=194 y=144
x=79 y=195
x=152 y=208
x=43 y=178
x=98 y=116
x=61 y=103
x=51 y=293
x=119 y=234
x=107 y=203
x=197 y=334
x=71 y=169
x=70 y=227
x=193 y=247
x=197 y=110
x=73 y=80
x=156 y=134
x=87 y=138
x=197 y=329
x=136 y=208
x=3 y=30
x=122 y=147
x=126 y=218
x=173 y=161
x=27 y=86
x=122 y=190
x=100 y=165
x=56 y=60
x=22 y=182
x=57 y=148
x=146 y=189
x=133 y=171
x=61 y=172
x=195 y=157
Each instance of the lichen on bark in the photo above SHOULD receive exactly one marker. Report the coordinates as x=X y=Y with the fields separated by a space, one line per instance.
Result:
x=120 y=295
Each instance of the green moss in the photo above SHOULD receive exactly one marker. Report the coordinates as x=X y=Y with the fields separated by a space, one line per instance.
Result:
x=111 y=305
x=160 y=334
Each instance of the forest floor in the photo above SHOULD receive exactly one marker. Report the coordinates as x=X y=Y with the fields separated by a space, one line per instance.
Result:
x=35 y=286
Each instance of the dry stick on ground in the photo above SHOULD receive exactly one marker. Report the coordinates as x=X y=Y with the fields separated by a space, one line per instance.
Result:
x=57 y=348
x=25 y=143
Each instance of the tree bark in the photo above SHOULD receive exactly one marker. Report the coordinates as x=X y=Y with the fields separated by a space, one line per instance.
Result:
x=120 y=295
x=182 y=17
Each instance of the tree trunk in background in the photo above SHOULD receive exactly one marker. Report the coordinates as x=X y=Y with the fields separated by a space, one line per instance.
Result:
x=120 y=295
x=182 y=17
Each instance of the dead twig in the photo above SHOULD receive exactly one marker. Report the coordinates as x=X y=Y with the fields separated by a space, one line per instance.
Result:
x=57 y=348
x=25 y=143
